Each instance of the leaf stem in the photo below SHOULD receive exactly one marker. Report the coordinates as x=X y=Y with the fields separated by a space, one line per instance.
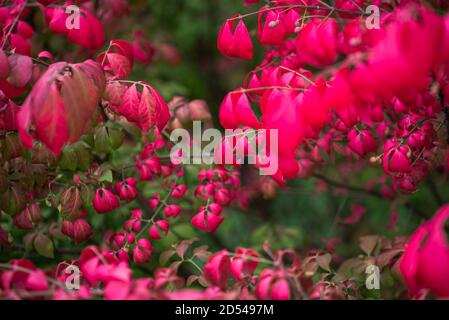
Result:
x=14 y=23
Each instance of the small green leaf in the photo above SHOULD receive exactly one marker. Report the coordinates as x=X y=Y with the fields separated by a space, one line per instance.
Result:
x=108 y=138
x=68 y=159
x=116 y=138
x=131 y=128
x=44 y=246
x=89 y=140
x=87 y=194
x=102 y=143
x=28 y=241
x=106 y=176
x=83 y=156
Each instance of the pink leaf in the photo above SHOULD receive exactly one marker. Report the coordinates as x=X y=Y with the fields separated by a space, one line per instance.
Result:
x=21 y=70
x=61 y=105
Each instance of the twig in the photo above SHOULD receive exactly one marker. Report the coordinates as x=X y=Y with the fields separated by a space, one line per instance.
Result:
x=446 y=115
x=373 y=193
x=103 y=113
x=14 y=23
x=328 y=8
x=342 y=185
x=58 y=251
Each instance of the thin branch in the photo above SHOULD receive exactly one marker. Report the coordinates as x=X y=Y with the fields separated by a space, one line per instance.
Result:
x=342 y=185
x=265 y=88
x=328 y=8
x=33 y=59
x=103 y=113
x=373 y=193
x=299 y=74
x=14 y=23
x=57 y=251
x=446 y=114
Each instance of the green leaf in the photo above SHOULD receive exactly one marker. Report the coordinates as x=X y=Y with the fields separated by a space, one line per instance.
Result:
x=76 y=156
x=184 y=230
x=83 y=156
x=108 y=139
x=102 y=143
x=106 y=176
x=44 y=246
x=116 y=138
x=68 y=159
x=28 y=241
x=89 y=140
x=87 y=194
x=131 y=128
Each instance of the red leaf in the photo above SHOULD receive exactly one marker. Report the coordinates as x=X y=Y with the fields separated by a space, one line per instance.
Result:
x=162 y=109
x=114 y=93
x=61 y=104
x=11 y=91
x=37 y=281
x=124 y=48
x=120 y=65
x=4 y=66
x=148 y=111
x=51 y=121
x=8 y=114
x=90 y=34
x=45 y=55
x=130 y=104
